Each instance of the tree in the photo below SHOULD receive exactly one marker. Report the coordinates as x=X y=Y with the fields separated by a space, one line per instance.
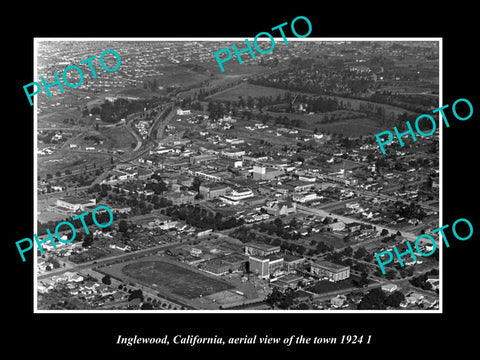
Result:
x=374 y=300
x=273 y=297
x=360 y=253
x=364 y=279
x=303 y=306
x=122 y=226
x=54 y=262
x=107 y=280
x=394 y=299
x=135 y=294
x=390 y=274
x=87 y=241
x=348 y=251
x=196 y=184
x=384 y=232
x=146 y=306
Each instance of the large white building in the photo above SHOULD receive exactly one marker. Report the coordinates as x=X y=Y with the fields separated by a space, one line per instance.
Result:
x=302 y=198
x=74 y=203
x=332 y=271
x=183 y=112
x=235 y=196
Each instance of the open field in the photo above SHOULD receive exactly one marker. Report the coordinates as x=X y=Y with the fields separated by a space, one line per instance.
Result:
x=233 y=68
x=63 y=159
x=246 y=90
x=352 y=127
x=172 y=278
x=328 y=239
x=118 y=138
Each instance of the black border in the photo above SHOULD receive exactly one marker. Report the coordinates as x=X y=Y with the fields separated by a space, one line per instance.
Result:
x=91 y=334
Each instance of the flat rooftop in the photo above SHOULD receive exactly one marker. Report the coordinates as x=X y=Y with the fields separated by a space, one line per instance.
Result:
x=330 y=266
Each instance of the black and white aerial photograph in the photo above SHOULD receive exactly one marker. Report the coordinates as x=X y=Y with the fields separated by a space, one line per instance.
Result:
x=262 y=187
x=227 y=182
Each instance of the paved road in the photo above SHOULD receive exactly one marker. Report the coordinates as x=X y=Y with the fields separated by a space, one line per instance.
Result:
x=345 y=219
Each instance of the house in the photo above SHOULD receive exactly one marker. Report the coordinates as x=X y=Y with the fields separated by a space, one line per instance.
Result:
x=184 y=112
x=281 y=208
x=353 y=226
x=144 y=174
x=196 y=252
x=434 y=281
x=167 y=225
x=389 y=288
x=42 y=289
x=336 y=226
x=90 y=285
x=414 y=298
x=338 y=301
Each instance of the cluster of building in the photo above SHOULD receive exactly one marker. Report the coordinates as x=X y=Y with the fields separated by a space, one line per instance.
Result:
x=267 y=262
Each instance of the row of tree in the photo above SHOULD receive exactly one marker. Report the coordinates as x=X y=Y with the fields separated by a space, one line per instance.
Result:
x=101 y=218
x=201 y=218
x=377 y=299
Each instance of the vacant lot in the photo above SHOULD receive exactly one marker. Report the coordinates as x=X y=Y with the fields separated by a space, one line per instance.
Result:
x=176 y=279
x=62 y=160
x=118 y=137
x=328 y=239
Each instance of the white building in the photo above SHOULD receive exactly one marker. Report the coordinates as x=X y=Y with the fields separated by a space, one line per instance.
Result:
x=302 y=198
x=183 y=112
x=235 y=196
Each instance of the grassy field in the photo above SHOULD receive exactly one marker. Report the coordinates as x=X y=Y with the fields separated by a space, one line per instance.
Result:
x=328 y=239
x=64 y=159
x=118 y=138
x=352 y=127
x=246 y=90
x=176 y=279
